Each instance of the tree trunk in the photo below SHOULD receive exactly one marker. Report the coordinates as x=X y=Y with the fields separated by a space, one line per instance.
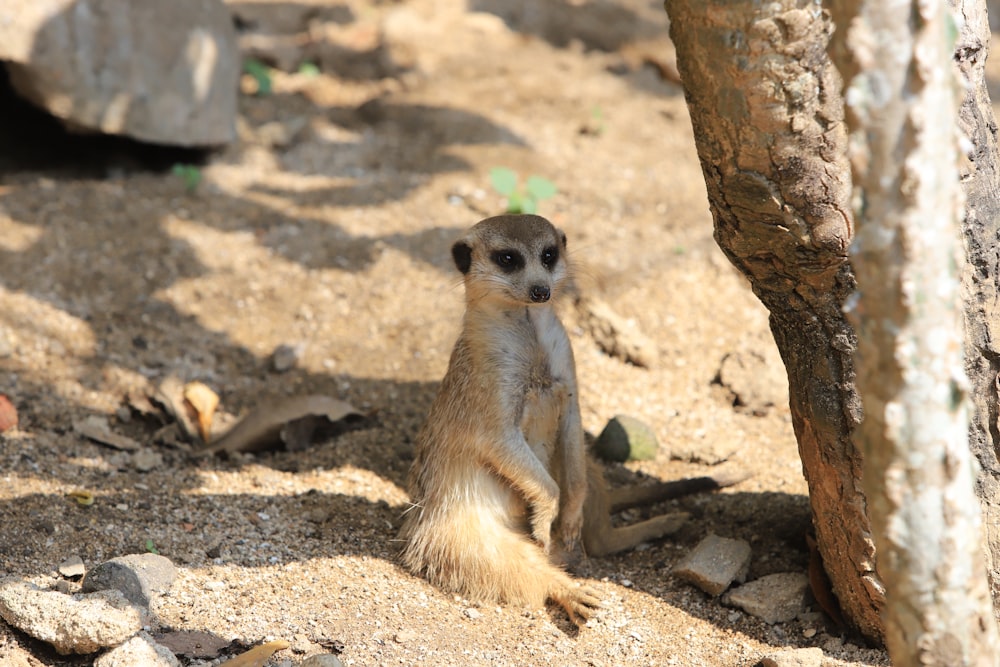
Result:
x=902 y=101
x=981 y=279
x=767 y=114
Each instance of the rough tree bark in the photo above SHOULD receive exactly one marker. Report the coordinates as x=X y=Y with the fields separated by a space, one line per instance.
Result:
x=767 y=115
x=981 y=278
x=902 y=97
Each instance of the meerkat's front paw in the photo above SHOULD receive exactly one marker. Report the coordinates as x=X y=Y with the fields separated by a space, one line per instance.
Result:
x=570 y=529
x=542 y=519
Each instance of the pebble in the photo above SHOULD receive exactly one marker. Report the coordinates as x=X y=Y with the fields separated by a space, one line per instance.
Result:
x=8 y=415
x=140 y=650
x=404 y=636
x=139 y=577
x=800 y=657
x=715 y=564
x=147 y=459
x=474 y=614
x=286 y=357
x=322 y=660
x=70 y=623
x=774 y=598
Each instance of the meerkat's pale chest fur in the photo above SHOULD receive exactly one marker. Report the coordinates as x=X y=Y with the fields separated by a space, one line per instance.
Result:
x=500 y=470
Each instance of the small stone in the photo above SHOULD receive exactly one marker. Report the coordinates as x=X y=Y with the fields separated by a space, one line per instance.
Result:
x=774 y=598
x=71 y=623
x=799 y=657
x=139 y=577
x=215 y=586
x=473 y=613
x=404 y=636
x=286 y=357
x=809 y=633
x=72 y=567
x=8 y=415
x=626 y=439
x=140 y=650
x=715 y=564
x=322 y=660
x=147 y=459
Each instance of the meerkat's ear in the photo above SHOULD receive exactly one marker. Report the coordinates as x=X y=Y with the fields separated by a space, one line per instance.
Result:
x=461 y=252
x=562 y=235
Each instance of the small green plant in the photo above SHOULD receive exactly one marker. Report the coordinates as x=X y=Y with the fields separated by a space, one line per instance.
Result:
x=536 y=188
x=596 y=124
x=189 y=174
x=151 y=547
x=308 y=69
x=261 y=73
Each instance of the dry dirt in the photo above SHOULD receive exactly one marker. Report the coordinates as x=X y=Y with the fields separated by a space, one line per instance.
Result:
x=328 y=225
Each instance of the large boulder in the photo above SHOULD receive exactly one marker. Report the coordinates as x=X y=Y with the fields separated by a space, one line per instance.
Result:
x=163 y=72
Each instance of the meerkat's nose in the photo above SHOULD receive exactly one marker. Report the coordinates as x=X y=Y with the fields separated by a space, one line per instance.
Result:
x=540 y=293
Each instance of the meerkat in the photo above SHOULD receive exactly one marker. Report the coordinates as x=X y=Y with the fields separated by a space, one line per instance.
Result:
x=501 y=484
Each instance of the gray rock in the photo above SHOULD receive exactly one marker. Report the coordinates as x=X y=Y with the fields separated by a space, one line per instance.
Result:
x=139 y=577
x=71 y=623
x=774 y=598
x=322 y=660
x=715 y=564
x=285 y=357
x=146 y=459
x=164 y=72
x=626 y=439
x=800 y=657
x=140 y=650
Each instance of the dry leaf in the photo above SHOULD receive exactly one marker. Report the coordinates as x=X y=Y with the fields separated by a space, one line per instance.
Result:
x=267 y=425
x=170 y=394
x=258 y=655
x=203 y=401
x=96 y=428
x=192 y=643
x=82 y=497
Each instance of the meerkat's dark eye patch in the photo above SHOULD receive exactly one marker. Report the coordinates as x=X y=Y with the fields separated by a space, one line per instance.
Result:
x=550 y=256
x=508 y=260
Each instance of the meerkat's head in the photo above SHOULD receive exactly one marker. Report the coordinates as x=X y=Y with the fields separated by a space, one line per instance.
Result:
x=515 y=259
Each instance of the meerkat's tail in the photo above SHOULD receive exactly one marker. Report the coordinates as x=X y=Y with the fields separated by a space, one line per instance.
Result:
x=473 y=551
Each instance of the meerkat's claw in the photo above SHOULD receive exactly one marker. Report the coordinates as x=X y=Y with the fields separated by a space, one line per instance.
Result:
x=580 y=603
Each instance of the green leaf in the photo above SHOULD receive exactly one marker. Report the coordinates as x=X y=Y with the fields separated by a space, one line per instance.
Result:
x=151 y=547
x=190 y=174
x=514 y=203
x=503 y=180
x=261 y=74
x=530 y=205
x=541 y=188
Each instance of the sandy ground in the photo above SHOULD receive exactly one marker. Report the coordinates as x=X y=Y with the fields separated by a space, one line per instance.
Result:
x=328 y=225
